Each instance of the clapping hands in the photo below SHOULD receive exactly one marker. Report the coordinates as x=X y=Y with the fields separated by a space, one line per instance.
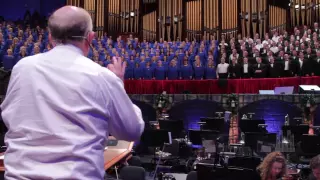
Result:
x=117 y=67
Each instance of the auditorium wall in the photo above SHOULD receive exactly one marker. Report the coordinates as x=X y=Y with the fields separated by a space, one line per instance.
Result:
x=192 y=19
x=16 y=9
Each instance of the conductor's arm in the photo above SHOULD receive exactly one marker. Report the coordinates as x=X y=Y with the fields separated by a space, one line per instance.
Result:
x=125 y=122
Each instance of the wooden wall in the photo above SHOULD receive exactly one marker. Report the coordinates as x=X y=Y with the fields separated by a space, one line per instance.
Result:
x=195 y=19
x=170 y=19
x=211 y=18
x=73 y=3
x=277 y=18
x=149 y=30
x=304 y=12
x=253 y=17
x=229 y=18
x=113 y=17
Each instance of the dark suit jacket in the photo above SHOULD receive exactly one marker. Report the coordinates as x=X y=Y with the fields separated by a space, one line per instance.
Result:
x=306 y=68
x=234 y=71
x=262 y=68
x=250 y=70
x=275 y=71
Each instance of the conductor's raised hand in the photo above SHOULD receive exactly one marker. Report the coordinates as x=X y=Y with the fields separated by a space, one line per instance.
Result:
x=117 y=67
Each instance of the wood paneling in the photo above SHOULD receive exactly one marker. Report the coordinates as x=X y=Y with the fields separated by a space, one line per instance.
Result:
x=229 y=18
x=114 y=17
x=170 y=19
x=90 y=6
x=193 y=20
x=253 y=17
x=211 y=18
x=304 y=12
x=73 y=3
x=100 y=17
x=150 y=26
x=277 y=18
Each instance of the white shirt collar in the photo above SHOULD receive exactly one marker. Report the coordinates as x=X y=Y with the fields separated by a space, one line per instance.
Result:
x=69 y=47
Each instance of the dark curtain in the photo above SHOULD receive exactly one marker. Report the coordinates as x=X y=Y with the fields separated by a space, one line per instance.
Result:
x=215 y=86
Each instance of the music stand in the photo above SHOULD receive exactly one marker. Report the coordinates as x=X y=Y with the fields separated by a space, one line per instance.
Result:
x=175 y=127
x=252 y=138
x=310 y=144
x=213 y=124
x=155 y=137
x=297 y=131
x=251 y=125
x=197 y=136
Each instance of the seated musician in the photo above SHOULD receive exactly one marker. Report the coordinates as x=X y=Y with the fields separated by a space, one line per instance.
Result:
x=315 y=167
x=273 y=167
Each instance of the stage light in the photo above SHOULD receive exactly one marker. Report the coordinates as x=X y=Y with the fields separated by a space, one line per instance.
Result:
x=175 y=19
x=132 y=14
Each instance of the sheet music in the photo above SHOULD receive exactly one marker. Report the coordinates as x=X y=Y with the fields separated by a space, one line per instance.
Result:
x=2 y=157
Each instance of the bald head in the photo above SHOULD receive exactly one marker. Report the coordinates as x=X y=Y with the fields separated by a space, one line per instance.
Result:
x=70 y=23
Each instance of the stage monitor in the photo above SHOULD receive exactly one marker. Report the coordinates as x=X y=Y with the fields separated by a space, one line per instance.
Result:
x=284 y=90
x=309 y=89
x=266 y=92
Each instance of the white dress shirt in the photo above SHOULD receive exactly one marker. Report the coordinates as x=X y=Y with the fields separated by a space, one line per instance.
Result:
x=286 y=65
x=245 y=68
x=222 y=68
x=59 y=109
x=301 y=63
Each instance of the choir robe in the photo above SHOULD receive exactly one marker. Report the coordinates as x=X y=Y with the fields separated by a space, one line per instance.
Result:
x=173 y=73
x=186 y=72
x=165 y=64
x=142 y=64
x=129 y=74
x=210 y=72
x=203 y=57
x=198 y=72
x=160 y=73
x=138 y=72
x=8 y=62
x=148 y=73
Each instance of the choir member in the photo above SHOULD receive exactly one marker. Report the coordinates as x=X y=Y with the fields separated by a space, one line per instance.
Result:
x=288 y=67
x=160 y=71
x=259 y=69
x=138 y=72
x=8 y=60
x=22 y=53
x=303 y=66
x=129 y=72
x=274 y=69
x=246 y=69
x=316 y=67
x=210 y=70
x=173 y=71
x=148 y=72
x=198 y=69
x=186 y=70
x=222 y=69
x=234 y=69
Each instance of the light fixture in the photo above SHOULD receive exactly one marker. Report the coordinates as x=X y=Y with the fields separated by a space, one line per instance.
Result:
x=132 y=14
x=175 y=19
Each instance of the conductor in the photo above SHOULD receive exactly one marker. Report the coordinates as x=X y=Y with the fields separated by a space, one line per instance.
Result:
x=61 y=106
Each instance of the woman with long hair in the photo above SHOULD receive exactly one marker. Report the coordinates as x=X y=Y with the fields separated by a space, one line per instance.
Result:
x=273 y=167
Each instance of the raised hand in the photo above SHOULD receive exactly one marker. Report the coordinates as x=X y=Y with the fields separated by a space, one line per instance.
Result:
x=117 y=67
